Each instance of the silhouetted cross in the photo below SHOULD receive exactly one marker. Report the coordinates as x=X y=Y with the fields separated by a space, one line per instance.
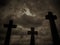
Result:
x=8 y=34
x=54 y=31
x=32 y=32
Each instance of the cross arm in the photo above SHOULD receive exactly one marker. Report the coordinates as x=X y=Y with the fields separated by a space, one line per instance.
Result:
x=51 y=16
x=5 y=25
x=48 y=17
x=14 y=26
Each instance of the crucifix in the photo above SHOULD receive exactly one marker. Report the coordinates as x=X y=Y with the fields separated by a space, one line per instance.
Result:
x=8 y=34
x=54 y=31
x=32 y=32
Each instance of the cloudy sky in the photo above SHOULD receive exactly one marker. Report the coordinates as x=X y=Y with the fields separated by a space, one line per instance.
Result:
x=27 y=14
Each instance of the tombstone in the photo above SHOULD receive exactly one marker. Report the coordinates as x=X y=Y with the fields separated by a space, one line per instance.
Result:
x=32 y=32
x=54 y=31
x=9 y=29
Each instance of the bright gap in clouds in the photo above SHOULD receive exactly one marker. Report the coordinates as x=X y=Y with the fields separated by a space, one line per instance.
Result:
x=27 y=12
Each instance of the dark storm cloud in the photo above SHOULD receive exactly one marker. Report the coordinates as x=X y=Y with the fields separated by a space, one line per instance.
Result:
x=29 y=21
x=56 y=2
x=56 y=5
x=37 y=5
x=4 y=2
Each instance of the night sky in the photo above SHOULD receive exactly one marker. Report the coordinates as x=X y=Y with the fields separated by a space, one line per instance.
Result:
x=27 y=14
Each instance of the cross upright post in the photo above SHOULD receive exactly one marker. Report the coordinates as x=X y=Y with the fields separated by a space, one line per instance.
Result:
x=54 y=31
x=32 y=32
x=9 y=29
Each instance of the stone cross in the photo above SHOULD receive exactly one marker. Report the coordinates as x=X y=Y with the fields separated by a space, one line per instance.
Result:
x=54 y=31
x=32 y=33
x=9 y=29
